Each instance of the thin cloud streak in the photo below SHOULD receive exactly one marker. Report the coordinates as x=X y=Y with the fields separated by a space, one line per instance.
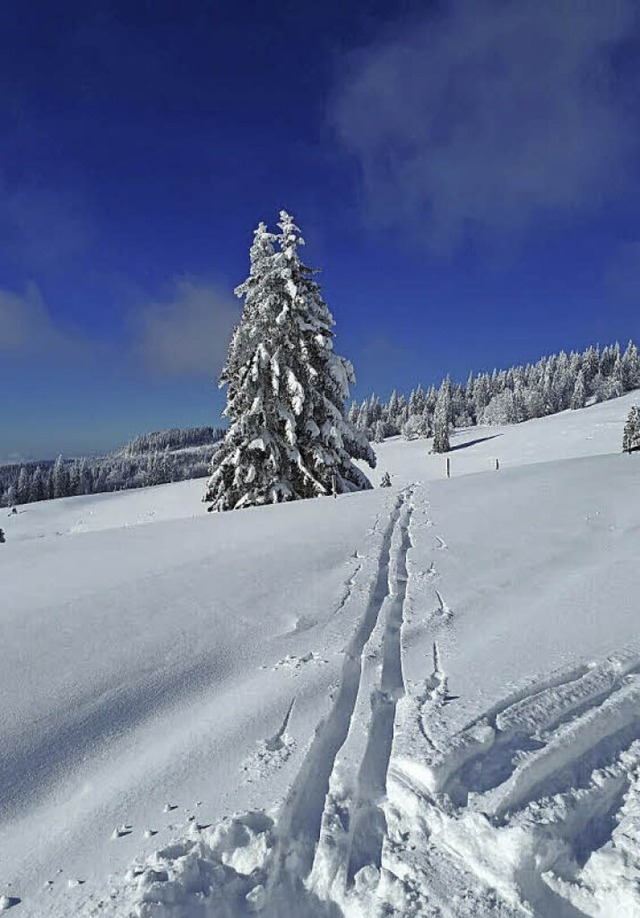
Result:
x=490 y=116
x=27 y=327
x=187 y=334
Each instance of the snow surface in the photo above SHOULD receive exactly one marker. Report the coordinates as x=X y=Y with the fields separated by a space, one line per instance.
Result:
x=241 y=713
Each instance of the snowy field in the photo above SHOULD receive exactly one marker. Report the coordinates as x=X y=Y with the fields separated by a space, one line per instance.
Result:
x=236 y=714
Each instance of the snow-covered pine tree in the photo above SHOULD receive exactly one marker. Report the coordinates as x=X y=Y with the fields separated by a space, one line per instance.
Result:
x=60 y=478
x=23 y=485
x=379 y=431
x=631 y=435
x=441 y=419
x=36 y=489
x=11 y=496
x=579 y=397
x=288 y=436
x=631 y=367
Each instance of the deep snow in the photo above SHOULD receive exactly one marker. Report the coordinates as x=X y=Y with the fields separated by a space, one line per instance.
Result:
x=164 y=669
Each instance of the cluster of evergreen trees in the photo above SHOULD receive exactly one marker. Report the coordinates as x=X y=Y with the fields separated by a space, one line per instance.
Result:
x=150 y=459
x=552 y=384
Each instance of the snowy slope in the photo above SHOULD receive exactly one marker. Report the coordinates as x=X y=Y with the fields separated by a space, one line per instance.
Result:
x=593 y=431
x=149 y=670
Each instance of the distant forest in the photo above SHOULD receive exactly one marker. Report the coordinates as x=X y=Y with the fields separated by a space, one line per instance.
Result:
x=150 y=459
x=552 y=384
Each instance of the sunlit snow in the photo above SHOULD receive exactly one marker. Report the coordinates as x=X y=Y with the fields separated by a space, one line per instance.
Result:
x=245 y=713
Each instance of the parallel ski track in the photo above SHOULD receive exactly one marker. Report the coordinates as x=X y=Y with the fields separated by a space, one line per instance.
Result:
x=300 y=821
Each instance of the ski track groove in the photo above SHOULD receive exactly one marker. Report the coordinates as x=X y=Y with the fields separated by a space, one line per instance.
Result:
x=300 y=821
x=526 y=725
x=569 y=795
x=368 y=820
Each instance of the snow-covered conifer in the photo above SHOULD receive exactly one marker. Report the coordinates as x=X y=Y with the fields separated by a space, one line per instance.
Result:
x=363 y=418
x=631 y=367
x=60 y=478
x=36 y=488
x=286 y=389
x=415 y=426
x=579 y=397
x=385 y=481
x=379 y=431
x=416 y=401
x=441 y=419
x=23 y=486
x=631 y=435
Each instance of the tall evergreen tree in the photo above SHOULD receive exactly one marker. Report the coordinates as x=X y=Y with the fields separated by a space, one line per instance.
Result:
x=288 y=436
x=23 y=486
x=579 y=397
x=60 y=478
x=631 y=367
x=37 y=489
x=441 y=419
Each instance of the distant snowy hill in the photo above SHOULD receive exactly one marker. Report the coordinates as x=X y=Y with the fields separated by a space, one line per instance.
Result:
x=247 y=708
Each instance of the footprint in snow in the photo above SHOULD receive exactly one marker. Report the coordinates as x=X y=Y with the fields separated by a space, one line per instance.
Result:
x=272 y=752
x=7 y=902
x=121 y=831
x=292 y=661
x=74 y=882
x=441 y=543
x=170 y=807
x=443 y=610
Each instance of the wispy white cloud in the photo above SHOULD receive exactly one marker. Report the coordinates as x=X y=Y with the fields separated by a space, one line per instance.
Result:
x=27 y=326
x=188 y=333
x=491 y=114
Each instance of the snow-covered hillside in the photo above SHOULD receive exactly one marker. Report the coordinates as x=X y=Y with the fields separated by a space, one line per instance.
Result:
x=243 y=713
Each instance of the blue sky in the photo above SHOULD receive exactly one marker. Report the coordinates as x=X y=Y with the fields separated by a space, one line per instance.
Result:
x=466 y=174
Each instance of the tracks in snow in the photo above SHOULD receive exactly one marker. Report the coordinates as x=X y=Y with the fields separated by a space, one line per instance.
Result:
x=368 y=819
x=541 y=794
x=251 y=863
x=301 y=820
x=505 y=755
x=533 y=809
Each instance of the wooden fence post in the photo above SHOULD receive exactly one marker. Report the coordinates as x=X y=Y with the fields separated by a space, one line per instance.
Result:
x=448 y=467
